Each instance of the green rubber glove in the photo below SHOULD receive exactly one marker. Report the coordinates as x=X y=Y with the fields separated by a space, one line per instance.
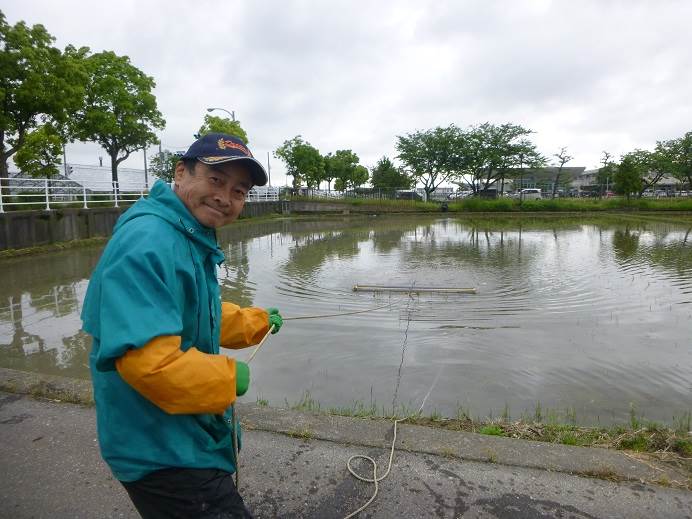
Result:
x=242 y=378
x=275 y=319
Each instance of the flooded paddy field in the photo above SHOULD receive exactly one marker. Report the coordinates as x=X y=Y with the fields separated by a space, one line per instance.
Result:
x=587 y=319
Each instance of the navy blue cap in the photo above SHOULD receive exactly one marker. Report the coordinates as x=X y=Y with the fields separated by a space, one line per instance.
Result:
x=218 y=148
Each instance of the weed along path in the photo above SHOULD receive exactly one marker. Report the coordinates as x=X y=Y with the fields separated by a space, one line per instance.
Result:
x=294 y=466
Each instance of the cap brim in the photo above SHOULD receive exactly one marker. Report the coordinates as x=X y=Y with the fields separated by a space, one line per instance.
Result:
x=259 y=175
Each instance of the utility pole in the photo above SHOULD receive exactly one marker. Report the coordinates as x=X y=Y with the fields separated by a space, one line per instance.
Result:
x=269 y=170
x=64 y=160
x=146 y=175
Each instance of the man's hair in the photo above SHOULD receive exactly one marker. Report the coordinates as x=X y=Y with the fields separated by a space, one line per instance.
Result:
x=190 y=165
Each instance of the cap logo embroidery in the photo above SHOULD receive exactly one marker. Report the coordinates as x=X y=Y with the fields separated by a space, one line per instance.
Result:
x=223 y=144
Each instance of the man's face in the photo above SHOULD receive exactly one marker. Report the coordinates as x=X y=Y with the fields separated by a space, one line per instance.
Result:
x=215 y=196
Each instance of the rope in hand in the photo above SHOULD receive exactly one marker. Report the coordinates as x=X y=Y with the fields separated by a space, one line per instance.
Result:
x=234 y=435
x=374 y=479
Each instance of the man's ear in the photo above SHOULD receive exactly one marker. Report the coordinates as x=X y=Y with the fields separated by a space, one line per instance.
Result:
x=179 y=171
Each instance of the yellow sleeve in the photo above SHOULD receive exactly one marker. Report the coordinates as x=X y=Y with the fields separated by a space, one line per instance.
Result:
x=242 y=327
x=179 y=382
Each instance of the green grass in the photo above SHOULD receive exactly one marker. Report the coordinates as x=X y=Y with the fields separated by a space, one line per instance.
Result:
x=511 y=205
x=53 y=247
x=547 y=425
x=375 y=203
x=570 y=205
x=492 y=430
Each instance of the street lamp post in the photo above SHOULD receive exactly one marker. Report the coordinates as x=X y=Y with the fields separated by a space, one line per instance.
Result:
x=232 y=113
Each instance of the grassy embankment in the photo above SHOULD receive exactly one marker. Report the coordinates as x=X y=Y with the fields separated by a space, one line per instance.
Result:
x=510 y=205
x=670 y=443
x=467 y=206
x=53 y=247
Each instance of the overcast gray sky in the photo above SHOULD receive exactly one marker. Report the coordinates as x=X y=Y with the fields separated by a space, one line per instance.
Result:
x=589 y=75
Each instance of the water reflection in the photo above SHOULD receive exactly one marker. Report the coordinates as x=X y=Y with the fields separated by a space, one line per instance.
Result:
x=40 y=327
x=580 y=314
x=625 y=244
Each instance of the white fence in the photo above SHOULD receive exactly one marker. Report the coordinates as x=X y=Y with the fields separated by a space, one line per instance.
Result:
x=47 y=194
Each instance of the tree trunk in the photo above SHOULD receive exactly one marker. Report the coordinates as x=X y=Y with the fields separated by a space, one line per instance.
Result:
x=556 y=182
x=4 y=173
x=114 y=172
x=4 y=169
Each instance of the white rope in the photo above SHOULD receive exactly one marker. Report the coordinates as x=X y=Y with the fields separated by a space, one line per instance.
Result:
x=339 y=315
x=374 y=478
x=254 y=352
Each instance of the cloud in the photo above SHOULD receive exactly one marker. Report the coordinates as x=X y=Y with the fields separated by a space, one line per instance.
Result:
x=588 y=75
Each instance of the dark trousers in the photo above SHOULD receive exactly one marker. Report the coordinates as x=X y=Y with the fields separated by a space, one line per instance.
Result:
x=187 y=494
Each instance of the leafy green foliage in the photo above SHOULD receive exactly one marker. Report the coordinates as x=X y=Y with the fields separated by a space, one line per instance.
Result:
x=40 y=154
x=478 y=156
x=681 y=158
x=343 y=167
x=120 y=110
x=628 y=177
x=388 y=177
x=213 y=124
x=432 y=156
x=303 y=161
x=39 y=84
x=492 y=152
x=163 y=165
x=606 y=173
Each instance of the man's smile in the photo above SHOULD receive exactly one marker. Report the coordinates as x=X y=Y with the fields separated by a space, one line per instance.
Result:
x=216 y=210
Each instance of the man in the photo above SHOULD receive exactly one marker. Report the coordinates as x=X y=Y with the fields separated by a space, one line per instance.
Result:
x=162 y=390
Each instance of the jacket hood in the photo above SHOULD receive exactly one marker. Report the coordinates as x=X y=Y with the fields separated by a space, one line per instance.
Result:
x=164 y=203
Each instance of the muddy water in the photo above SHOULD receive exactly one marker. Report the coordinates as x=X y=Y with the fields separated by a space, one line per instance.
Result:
x=585 y=317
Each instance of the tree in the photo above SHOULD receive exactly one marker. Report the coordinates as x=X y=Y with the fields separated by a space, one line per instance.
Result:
x=562 y=159
x=303 y=161
x=661 y=162
x=386 y=176
x=38 y=84
x=490 y=152
x=432 y=156
x=605 y=174
x=39 y=156
x=213 y=124
x=651 y=165
x=628 y=176
x=522 y=154
x=681 y=155
x=341 y=166
x=163 y=165
x=120 y=110
x=359 y=176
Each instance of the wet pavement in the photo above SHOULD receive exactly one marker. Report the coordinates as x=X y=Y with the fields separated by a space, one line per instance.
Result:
x=294 y=465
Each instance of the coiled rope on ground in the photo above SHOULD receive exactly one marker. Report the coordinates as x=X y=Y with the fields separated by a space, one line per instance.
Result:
x=375 y=479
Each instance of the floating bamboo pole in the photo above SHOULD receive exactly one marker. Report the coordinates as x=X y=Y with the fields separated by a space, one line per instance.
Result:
x=416 y=289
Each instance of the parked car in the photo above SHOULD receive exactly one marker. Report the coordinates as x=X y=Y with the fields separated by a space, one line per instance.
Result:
x=407 y=194
x=530 y=194
x=459 y=195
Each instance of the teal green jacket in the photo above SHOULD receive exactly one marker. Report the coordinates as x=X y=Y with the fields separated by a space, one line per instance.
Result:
x=157 y=276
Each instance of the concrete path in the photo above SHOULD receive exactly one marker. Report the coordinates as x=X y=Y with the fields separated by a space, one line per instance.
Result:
x=51 y=468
